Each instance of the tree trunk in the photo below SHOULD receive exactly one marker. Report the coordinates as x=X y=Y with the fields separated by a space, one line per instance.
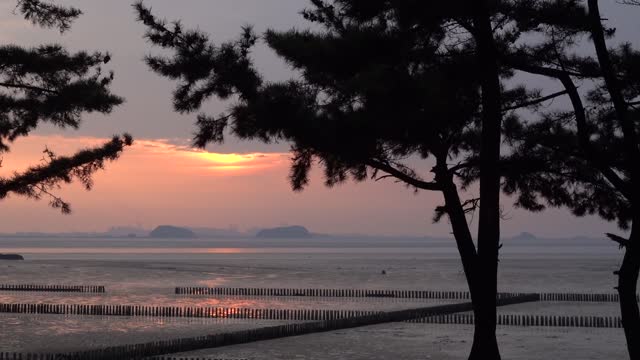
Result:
x=485 y=342
x=460 y=227
x=482 y=288
x=485 y=345
x=627 y=285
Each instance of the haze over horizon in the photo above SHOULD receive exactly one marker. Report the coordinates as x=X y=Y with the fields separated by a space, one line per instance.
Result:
x=243 y=233
x=161 y=180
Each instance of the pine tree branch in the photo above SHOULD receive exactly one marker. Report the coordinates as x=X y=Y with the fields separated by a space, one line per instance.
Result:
x=40 y=179
x=535 y=101
x=537 y=70
x=56 y=201
x=529 y=67
x=463 y=165
x=403 y=176
x=630 y=137
x=584 y=135
x=48 y=14
x=585 y=143
x=619 y=239
x=581 y=123
x=27 y=87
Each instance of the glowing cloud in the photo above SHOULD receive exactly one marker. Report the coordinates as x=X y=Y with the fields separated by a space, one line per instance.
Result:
x=148 y=154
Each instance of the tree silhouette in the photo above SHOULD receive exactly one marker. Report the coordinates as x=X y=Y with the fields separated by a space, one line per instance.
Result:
x=585 y=157
x=382 y=84
x=49 y=84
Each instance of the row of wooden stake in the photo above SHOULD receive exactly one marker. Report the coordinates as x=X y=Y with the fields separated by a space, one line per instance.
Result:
x=530 y=320
x=145 y=350
x=298 y=314
x=352 y=293
x=163 y=347
x=53 y=288
x=188 y=312
x=36 y=356
x=369 y=293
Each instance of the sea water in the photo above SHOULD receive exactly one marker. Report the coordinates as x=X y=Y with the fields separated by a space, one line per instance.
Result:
x=143 y=271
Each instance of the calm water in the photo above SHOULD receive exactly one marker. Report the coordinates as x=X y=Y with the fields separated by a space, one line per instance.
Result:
x=146 y=271
x=114 y=248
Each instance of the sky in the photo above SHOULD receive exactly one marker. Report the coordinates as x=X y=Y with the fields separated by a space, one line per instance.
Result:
x=161 y=180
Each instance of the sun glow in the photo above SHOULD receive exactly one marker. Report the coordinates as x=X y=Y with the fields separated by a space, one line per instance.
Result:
x=227 y=159
x=212 y=161
x=238 y=162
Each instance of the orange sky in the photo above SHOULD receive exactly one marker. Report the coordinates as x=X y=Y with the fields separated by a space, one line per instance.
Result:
x=156 y=182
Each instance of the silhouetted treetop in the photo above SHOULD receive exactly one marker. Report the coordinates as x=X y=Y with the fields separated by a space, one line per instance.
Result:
x=49 y=84
x=380 y=80
x=572 y=157
x=371 y=94
x=203 y=69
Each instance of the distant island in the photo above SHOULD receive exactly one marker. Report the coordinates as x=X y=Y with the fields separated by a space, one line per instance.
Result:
x=204 y=232
x=285 y=232
x=171 y=232
x=11 y=257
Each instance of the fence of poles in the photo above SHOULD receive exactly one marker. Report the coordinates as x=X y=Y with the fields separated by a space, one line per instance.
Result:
x=614 y=322
x=53 y=288
x=373 y=293
x=139 y=351
x=205 y=312
x=37 y=356
x=163 y=347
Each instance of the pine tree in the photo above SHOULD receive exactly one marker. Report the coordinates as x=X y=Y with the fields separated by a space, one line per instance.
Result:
x=48 y=84
x=383 y=82
x=584 y=157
